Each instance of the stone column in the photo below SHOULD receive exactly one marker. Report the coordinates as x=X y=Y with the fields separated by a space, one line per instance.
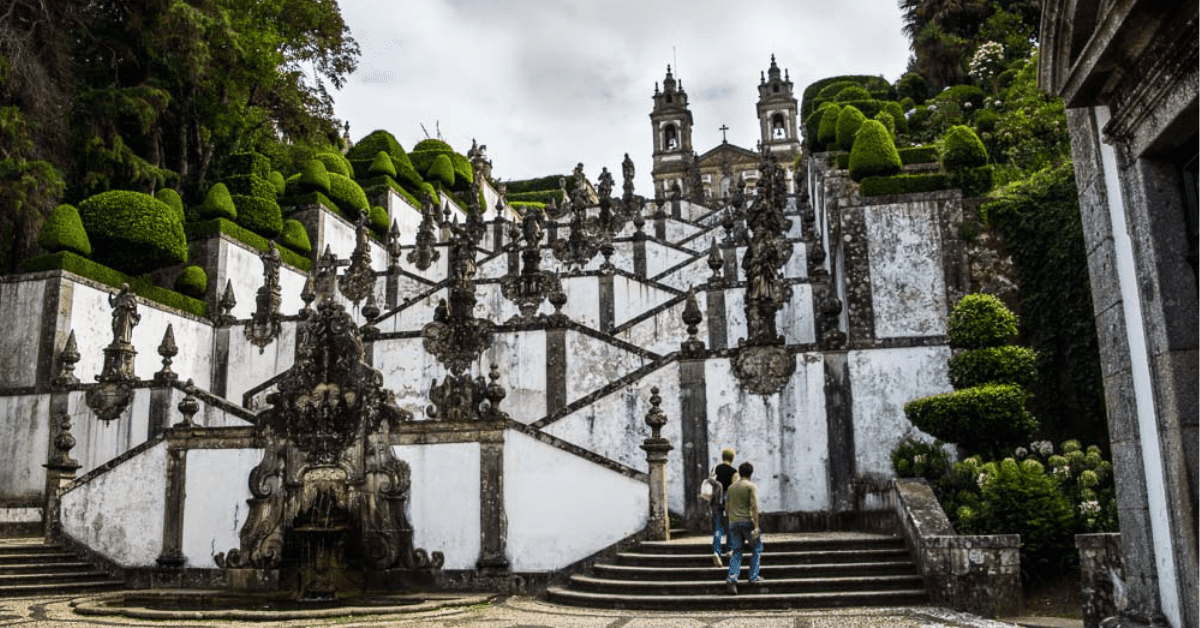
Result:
x=608 y=310
x=493 y=522
x=556 y=370
x=658 y=525
x=718 y=332
x=176 y=495
x=1101 y=575
x=60 y=470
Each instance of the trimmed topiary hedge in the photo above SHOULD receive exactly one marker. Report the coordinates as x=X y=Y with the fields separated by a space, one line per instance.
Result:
x=260 y=215
x=986 y=418
x=897 y=112
x=919 y=155
x=172 y=199
x=973 y=181
x=279 y=183
x=852 y=92
x=379 y=220
x=348 y=195
x=441 y=171
x=966 y=96
x=914 y=86
x=218 y=204
x=250 y=185
x=295 y=237
x=374 y=185
x=903 y=184
x=873 y=153
x=979 y=321
x=382 y=164
x=248 y=164
x=133 y=232
x=70 y=262
x=193 y=282
x=63 y=231
x=209 y=228
x=313 y=177
x=1008 y=364
x=290 y=204
x=335 y=163
x=849 y=119
x=372 y=144
x=827 y=131
x=961 y=148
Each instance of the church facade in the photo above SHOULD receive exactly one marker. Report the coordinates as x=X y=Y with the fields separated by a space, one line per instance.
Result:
x=713 y=175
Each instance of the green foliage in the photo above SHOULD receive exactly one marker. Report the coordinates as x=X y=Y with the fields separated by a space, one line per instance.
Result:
x=291 y=203
x=848 y=121
x=914 y=86
x=540 y=196
x=1040 y=220
x=1008 y=364
x=382 y=164
x=919 y=155
x=980 y=320
x=523 y=205
x=335 y=163
x=972 y=181
x=894 y=109
x=250 y=185
x=441 y=172
x=1030 y=128
x=313 y=177
x=985 y=121
x=887 y=121
x=827 y=132
x=967 y=96
x=63 y=231
x=218 y=203
x=348 y=195
x=375 y=142
x=172 y=199
x=903 y=184
x=193 y=282
x=852 y=92
x=962 y=149
x=133 y=232
x=986 y=418
x=252 y=164
x=379 y=220
x=873 y=153
x=209 y=228
x=295 y=237
x=142 y=286
x=914 y=458
x=278 y=182
x=260 y=215
x=433 y=145
x=826 y=88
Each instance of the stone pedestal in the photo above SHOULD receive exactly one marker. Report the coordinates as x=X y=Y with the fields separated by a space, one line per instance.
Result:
x=658 y=525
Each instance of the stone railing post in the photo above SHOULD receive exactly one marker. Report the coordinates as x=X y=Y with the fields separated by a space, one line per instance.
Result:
x=1101 y=575
x=60 y=470
x=658 y=526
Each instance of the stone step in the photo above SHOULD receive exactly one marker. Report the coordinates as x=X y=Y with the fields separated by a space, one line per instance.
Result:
x=643 y=559
x=697 y=544
x=37 y=557
x=716 y=585
x=59 y=588
x=750 y=598
x=53 y=577
x=34 y=567
x=768 y=570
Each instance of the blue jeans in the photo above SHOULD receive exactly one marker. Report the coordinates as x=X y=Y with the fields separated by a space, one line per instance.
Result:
x=737 y=532
x=718 y=513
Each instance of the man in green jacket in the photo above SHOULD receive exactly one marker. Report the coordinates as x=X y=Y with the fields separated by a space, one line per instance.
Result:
x=741 y=504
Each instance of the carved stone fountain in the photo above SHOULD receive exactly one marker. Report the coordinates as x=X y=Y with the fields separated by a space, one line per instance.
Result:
x=327 y=507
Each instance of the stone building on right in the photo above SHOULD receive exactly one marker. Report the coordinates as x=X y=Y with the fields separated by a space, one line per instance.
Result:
x=1127 y=71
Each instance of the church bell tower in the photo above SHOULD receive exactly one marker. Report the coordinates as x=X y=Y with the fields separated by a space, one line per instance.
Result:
x=671 y=121
x=777 y=113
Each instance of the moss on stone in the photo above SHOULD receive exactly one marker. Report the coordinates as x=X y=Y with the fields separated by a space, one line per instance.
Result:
x=63 y=231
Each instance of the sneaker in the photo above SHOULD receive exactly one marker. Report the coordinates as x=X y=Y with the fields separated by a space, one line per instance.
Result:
x=731 y=586
x=757 y=581
x=717 y=560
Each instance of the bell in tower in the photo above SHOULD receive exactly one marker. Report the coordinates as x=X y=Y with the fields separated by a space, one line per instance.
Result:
x=671 y=124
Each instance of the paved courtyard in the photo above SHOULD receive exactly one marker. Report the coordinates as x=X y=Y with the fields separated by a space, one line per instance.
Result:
x=525 y=612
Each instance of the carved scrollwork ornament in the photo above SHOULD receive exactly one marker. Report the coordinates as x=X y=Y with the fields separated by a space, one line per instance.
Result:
x=266 y=324
x=359 y=280
x=425 y=253
x=764 y=370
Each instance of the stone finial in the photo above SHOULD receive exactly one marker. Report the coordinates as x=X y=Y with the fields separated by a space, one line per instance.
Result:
x=167 y=350
x=63 y=443
x=370 y=312
x=716 y=262
x=308 y=294
x=224 y=317
x=393 y=248
x=188 y=406
x=692 y=347
x=66 y=362
x=655 y=417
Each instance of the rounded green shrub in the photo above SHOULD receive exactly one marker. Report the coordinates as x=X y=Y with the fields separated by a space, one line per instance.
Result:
x=133 y=232
x=380 y=221
x=63 y=231
x=335 y=162
x=988 y=418
x=887 y=121
x=893 y=109
x=973 y=181
x=961 y=148
x=193 y=282
x=967 y=96
x=980 y=320
x=985 y=121
x=914 y=86
x=249 y=163
x=827 y=131
x=849 y=119
x=432 y=144
x=250 y=185
x=314 y=177
x=914 y=458
x=277 y=180
x=260 y=215
x=873 y=153
x=382 y=164
x=1008 y=364
x=441 y=172
x=218 y=203
x=172 y=199
x=852 y=92
x=374 y=142
x=907 y=104
x=295 y=237
x=348 y=195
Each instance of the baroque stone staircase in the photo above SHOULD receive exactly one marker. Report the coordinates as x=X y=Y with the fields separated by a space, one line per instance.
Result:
x=800 y=570
x=30 y=567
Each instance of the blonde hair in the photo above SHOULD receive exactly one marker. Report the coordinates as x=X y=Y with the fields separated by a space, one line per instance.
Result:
x=727 y=454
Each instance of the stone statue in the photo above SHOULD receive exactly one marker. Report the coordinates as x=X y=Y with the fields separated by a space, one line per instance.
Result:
x=125 y=315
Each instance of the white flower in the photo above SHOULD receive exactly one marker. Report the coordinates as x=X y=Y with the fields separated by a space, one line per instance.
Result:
x=1089 y=508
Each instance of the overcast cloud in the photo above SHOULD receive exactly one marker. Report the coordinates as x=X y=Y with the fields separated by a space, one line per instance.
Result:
x=548 y=84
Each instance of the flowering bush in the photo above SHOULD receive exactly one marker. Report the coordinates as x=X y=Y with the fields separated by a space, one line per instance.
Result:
x=987 y=62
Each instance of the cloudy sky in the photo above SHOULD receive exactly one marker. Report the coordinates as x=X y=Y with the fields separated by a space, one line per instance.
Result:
x=547 y=84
